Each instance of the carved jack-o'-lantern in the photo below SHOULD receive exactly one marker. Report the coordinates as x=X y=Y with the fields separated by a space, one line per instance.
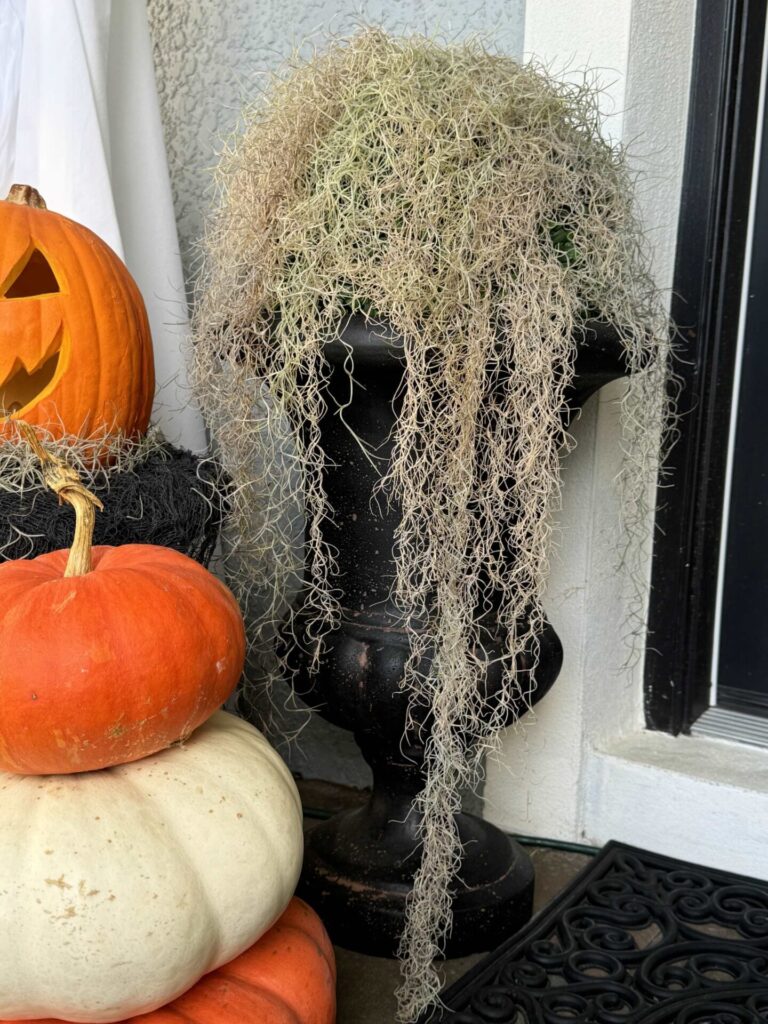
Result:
x=75 y=346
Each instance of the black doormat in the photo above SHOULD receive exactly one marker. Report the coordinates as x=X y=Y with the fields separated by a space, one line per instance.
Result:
x=637 y=938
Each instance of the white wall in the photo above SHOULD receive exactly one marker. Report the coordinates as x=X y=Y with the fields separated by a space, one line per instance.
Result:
x=537 y=784
x=583 y=767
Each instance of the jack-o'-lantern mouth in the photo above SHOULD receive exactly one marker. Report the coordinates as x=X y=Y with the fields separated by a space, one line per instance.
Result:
x=25 y=385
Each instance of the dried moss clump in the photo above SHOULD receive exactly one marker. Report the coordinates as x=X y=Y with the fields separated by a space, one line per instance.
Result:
x=471 y=202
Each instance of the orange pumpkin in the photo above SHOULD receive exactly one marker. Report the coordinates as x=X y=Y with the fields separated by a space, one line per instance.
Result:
x=108 y=654
x=75 y=347
x=287 y=977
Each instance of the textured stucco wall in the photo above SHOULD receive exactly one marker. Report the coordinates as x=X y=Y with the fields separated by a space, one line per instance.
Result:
x=208 y=54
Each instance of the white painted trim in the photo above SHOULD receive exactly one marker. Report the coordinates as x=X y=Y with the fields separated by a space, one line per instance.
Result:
x=699 y=799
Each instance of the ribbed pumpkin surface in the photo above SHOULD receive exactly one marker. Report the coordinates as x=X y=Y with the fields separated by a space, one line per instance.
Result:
x=121 y=888
x=112 y=666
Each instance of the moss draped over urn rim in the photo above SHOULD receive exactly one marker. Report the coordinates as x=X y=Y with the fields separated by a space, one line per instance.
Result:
x=471 y=203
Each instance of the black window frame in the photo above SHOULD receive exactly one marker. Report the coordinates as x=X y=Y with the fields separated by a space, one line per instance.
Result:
x=709 y=267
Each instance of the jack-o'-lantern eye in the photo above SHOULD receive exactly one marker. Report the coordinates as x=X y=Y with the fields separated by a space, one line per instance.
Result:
x=35 y=278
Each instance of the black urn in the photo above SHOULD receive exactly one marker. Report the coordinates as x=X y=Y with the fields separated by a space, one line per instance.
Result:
x=359 y=865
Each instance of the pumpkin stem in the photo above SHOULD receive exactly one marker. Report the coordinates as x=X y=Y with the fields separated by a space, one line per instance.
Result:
x=64 y=482
x=25 y=195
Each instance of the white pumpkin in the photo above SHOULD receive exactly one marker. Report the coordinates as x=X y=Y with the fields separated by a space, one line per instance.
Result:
x=120 y=888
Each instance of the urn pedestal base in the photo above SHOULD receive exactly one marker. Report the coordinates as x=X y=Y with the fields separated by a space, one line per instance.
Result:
x=359 y=867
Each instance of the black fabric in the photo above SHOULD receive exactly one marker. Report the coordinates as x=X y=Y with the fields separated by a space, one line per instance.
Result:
x=172 y=498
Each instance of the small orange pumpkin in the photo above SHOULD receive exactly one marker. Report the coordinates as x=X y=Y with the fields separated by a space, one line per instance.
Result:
x=108 y=654
x=287 y=977
x=75 y=346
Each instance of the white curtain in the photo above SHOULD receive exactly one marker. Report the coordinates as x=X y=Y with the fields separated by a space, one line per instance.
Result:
x=79 y=120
